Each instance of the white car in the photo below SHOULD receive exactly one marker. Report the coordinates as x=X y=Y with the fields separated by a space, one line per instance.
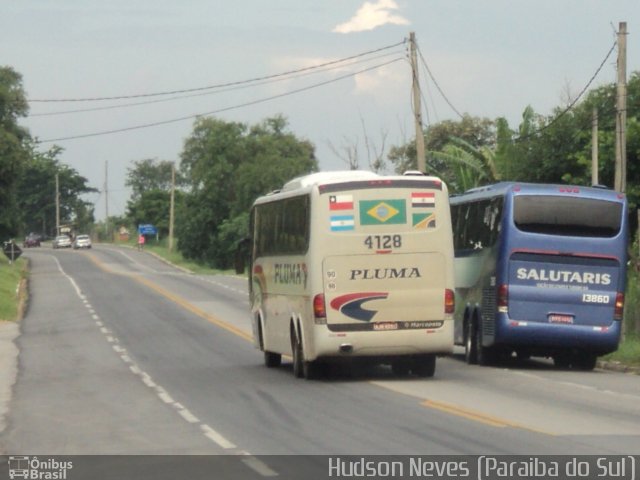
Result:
x=62 y=241
x=82 y=241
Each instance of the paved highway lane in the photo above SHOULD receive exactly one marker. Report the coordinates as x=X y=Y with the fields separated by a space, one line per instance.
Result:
x=122 y=353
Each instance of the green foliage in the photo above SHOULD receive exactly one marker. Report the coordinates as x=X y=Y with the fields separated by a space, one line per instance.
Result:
x=148 y=175
x=470 y=166
x=10 y=278
x=226 y=165
x=151 y=182
x=456 y=152
x=36 y=187
x=13 y=153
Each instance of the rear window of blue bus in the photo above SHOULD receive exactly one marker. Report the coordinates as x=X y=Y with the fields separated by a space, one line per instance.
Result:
x=567 y=216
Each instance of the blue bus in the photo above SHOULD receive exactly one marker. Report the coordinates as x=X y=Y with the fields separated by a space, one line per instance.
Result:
x=540 y=270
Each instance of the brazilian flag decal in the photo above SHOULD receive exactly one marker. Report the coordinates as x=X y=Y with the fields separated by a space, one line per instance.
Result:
x=383 y=212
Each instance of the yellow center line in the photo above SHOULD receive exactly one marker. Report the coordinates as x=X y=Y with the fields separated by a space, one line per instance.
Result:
x=465 y=413
x=478 y=416
x=178 y=300
x=441 y=406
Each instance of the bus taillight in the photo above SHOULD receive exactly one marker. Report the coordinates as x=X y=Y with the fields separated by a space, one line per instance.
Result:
x=618 y=311
x=319 y=309
x=503 y=298
x=449 y=301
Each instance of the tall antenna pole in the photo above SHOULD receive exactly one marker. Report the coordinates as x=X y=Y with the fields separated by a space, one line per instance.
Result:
x=417 y=105
x=57 y=205
x=106 y=199
x=621 y=111
x=594 y=147
x=171 y=205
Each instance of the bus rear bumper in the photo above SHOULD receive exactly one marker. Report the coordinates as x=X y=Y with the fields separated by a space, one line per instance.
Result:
x=383 y=344
x=550 y=338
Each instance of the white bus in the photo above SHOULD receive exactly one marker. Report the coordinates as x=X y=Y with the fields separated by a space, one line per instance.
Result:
x=353 y=264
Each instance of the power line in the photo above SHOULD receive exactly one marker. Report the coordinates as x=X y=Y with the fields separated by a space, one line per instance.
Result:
x=222 y=90
x=573 y=103
x=221 y=85
x=435 y=82
x=226 y=109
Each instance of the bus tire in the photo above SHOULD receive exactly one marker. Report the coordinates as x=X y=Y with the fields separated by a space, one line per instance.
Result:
x=424 y=366
x=470 y=343
x=585 y=361
x=311 y=370
x=401 y=367
x=484 y=355
x=272 y=360
x=562 y=361
x=297 y=354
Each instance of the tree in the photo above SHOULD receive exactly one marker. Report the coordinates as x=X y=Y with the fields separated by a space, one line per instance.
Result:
x=36 y=187
x=150 y=174
x=471 y=166
x=150 y=181
x=472 y=132
x=13 y=153
x=226 y=165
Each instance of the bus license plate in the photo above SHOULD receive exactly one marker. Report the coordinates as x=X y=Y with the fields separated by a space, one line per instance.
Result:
x=558 y=318
x=385 y=326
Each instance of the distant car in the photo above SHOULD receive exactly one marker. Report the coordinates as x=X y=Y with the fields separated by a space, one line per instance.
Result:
x=62 y=241
x=82 y=241
x=31 y=240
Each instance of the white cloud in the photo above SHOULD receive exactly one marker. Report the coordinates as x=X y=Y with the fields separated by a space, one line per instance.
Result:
x=373 y=15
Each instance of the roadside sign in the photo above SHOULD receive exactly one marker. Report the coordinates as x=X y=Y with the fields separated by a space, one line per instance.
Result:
x=11 y=250
x=147 y=229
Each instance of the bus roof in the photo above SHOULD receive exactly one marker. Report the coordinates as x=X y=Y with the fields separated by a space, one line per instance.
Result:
x=502 y=188
x=332 y=180
x=328 y=177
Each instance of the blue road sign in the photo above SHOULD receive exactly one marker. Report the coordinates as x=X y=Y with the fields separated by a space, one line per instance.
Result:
x=147 y=229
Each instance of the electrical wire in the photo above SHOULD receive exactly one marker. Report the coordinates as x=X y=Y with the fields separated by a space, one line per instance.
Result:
x=572 y=104
x=435 y=82
x=226 y=109
x=221 y=85
x=222 y=90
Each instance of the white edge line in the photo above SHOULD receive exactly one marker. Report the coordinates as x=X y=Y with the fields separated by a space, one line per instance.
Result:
x=211 y=434
x=259 y=466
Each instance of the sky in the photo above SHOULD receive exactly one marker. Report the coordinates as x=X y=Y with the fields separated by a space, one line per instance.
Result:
x=488 y=58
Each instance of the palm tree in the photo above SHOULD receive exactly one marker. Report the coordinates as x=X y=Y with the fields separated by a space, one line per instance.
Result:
x=471 y=166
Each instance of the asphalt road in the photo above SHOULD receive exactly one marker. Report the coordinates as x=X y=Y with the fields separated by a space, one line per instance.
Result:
x=120 y=353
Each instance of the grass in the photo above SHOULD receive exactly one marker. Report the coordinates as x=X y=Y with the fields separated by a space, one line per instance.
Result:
x=10 y=278
x=629 y=351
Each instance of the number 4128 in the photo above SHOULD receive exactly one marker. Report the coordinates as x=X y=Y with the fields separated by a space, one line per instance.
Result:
x=383 y=242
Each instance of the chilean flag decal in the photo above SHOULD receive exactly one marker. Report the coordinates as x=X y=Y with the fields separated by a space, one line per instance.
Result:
x=351 y=304
x=341 y=202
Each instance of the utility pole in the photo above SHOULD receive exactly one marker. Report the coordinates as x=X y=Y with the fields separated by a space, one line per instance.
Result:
x=621 y=111
x=57 y=206
x=171 y=205
x=106 y=200
x=417 y=105
x=594 y=147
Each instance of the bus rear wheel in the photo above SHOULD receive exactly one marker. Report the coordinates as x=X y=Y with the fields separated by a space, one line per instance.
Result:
x=584 y=361
x=424 y=366
x=470 y=345
x=484 y=355
x=302 y=368
x=272 y=360
x=298 y=358
x=400 y=368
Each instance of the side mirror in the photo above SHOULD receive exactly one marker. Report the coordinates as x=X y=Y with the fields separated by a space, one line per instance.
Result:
x=241 y=254
x=239 y=262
